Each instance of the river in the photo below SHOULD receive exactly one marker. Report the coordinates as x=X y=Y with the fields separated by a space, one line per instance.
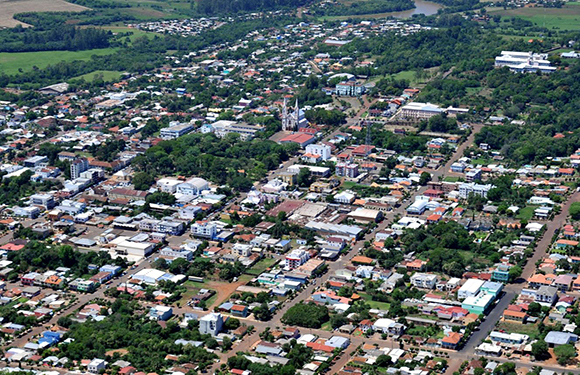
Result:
x=427 y=8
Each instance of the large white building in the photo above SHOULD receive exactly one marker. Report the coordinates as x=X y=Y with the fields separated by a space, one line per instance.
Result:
x=211 y=324
x=470 y=288
x=524 y=62
x=194 y=186
x=477 y=189
x=419 y=110
x=123 y=246
x=204 y=229
x=296 y=258
x=168 y=184
x=175 y=131
x=319 y=149
x=222 y=128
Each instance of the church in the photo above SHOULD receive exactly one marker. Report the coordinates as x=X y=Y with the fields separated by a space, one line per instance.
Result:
x=294 y=120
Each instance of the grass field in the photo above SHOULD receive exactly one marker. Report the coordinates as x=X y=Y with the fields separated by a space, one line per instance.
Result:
x=10 y=63
x=106 y=75
x=565 y=18
x=374 y=304
x=261 y=266
x=136 y=33
x=526 y=213
x=8 y=8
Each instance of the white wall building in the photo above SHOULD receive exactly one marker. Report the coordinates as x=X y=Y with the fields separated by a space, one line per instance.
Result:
x=319 y=149
x=211 y=324
x=296 y=258
x=470 y=288
x=477 y=189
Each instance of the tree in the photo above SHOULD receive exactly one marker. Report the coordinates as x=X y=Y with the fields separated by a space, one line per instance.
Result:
x=383 y=360
x=540 y=350
x=575 y=211
x=306 y=315
x=143 y=181
x=304 y=178
x=564 y=353
x=232 y=324
x=514 y=273
x=534 y=309
x=262 y=312
x=226 y=344
x=424 y=179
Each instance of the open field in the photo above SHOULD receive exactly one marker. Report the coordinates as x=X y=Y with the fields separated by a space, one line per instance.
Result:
x=565 y=18
x=135 y=33
x=106 y=75
x=8 y=8
x=260 y=266
x=10 y=63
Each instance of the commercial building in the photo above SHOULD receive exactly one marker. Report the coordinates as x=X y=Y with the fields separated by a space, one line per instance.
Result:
x=472 y=188
x=44 y=200
x=470 y=288
x=123 y=246
x=161 y=313
x=349 y=88
x=194 y=186
x=420 y=111
x=478 y=304
x=224 y=127
x=175 y=131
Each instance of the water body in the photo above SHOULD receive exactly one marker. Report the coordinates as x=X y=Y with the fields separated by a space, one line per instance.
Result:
x=427 y=8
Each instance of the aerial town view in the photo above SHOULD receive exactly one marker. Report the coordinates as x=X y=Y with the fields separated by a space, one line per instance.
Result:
x=259 y=187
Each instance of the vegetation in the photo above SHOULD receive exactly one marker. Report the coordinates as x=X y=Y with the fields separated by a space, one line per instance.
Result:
x=219 y=160
x=307 y=315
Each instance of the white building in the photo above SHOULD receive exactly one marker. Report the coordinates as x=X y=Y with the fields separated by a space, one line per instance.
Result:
x=168 y=184
x=293 y=120
x=470 y=288
x=211 y=324
x=194 y=186
x=296 y=258
x=524 y=62
x=419 y=110
x=242 y=250
x=123 y=246
x=225 y=127
x=77 y=167
x=345 y=197
x=96 y=365
x=424 y=280
x=319 y=149
x=175 y=131
x=477 y=189
x=204 y=229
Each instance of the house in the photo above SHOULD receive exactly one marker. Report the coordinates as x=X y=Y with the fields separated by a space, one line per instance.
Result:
x=424 y=280
x=515 y=316
x=240 y=311
x=329 y=297
x=160 y=313
x=451 y=341
x=96 y=365
x=547 y=295
x=555 y=338
x=563 y=282
x=338 y=342
x=501 y=273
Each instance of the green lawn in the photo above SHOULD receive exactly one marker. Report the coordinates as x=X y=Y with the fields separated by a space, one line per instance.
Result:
x=106 y=75
x=135 y=33
x=261 y=266
x=374 y=304
x=326 y=327
x=524 y=329
x=451 y=179
x=481 y=161
x=11 y=62
x=565 y=18
x=526 y=213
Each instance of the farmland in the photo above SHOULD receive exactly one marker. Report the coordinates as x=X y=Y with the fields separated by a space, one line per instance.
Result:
x=10 y=63
x=8 y=8
x=565 y=18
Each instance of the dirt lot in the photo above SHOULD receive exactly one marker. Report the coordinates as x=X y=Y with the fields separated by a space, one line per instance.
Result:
x=8 y=8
